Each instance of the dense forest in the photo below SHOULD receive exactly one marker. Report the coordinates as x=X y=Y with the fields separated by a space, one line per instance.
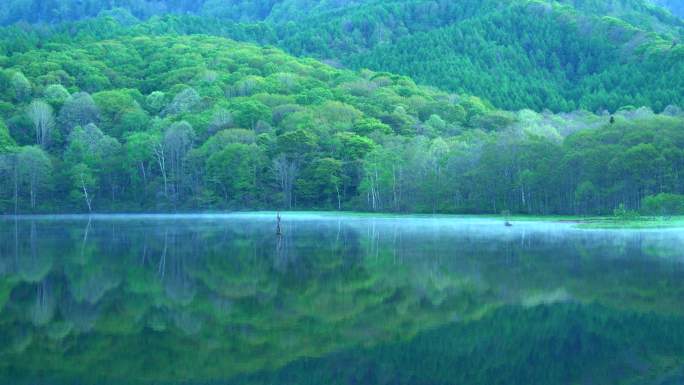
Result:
x=54 y=11
x=114 y=113
x=560 y=56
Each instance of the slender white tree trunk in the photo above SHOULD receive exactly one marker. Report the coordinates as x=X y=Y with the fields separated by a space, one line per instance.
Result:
x=144 y=174
x=339 y=198
x=394 y=187
x=16 y=186
x=32 y=191
x=87 y=197
x=161 y=160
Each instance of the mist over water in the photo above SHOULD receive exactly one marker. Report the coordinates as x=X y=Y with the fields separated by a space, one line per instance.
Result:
x=203 y=298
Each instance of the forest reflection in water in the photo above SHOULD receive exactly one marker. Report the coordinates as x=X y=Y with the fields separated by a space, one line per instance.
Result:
x=199 y=298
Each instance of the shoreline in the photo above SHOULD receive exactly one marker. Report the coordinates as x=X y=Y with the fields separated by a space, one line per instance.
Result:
x=589 y=222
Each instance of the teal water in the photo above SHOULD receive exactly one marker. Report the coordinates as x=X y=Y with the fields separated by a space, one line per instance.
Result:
x=337 y=300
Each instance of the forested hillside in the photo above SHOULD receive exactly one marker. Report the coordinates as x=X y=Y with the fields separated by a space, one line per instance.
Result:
x=54 y=11
x=561 y=56
x=172 y=122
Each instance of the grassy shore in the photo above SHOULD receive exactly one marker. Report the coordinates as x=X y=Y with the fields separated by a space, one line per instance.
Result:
x=634 y=223
x=584 y=222
x=607 y=222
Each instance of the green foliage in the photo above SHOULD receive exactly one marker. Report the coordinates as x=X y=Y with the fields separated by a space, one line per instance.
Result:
x=120 y=111
x=78 y=110
x=390 y=298
x=555 y=341
x=368 y=126
x=561 y=56
x=6 y=141
x=34 y=174
x=320 y=183
x=623 y=214
x=249 y=112
x=83 y=180
x=664 y=204
x=195 y=122
x=56 y=95
x=298 y=143
x=352 y=146
x=21 y=87
x=184 y=101
x=232 y=173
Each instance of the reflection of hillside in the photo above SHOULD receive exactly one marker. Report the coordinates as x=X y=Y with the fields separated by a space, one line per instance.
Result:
x=551 y=344
x=206 y=299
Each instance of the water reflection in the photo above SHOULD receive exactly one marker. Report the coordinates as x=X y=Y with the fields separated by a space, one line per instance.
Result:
x=204 y=298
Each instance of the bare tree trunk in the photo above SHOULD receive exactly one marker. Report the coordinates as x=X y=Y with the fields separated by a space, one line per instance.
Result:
x=522 y=194
x=16 y=240
x=41 y=116
x=144 y=174
x=377 y=187
x=85 y=237
x=32 y=192
x=161 y=160
x=88 y=199
x=339 y=198
x=16 y=185
x=286 y=169
x=112 y=187
x=394 y=187
x=162 y=260
x=374 y=196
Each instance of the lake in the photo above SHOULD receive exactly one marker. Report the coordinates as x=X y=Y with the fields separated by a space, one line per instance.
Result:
x=337 y=299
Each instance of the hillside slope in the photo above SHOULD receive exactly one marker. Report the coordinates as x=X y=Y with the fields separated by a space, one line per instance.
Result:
x=560 y=56
x=168 y=122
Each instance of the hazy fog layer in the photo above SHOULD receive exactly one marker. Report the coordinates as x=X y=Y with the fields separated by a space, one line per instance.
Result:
x=661 y=242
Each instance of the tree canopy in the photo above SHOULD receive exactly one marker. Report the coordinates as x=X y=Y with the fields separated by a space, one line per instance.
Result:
x=562 y=55
x=115 y=113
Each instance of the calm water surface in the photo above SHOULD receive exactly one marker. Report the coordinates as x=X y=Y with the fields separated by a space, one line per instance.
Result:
x=337 y=300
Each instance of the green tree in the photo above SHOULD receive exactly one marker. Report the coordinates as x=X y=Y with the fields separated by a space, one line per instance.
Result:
x=83 y=183
x=367 y=126
x=21 y=87
x=79 y=110
x=6 y=141
x=664 y=204
x=249 y=112
x=321 y=182
x=56 y=95
x=41 y=116
x=298 y=143
x=94 y=157
x=120 y=112
x=34 y=169
x=140 y=156
x=184 y=101
x=232 y=173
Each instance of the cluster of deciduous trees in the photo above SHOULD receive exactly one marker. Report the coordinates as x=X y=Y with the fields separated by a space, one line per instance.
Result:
x=138 y=123
x=588 y=172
